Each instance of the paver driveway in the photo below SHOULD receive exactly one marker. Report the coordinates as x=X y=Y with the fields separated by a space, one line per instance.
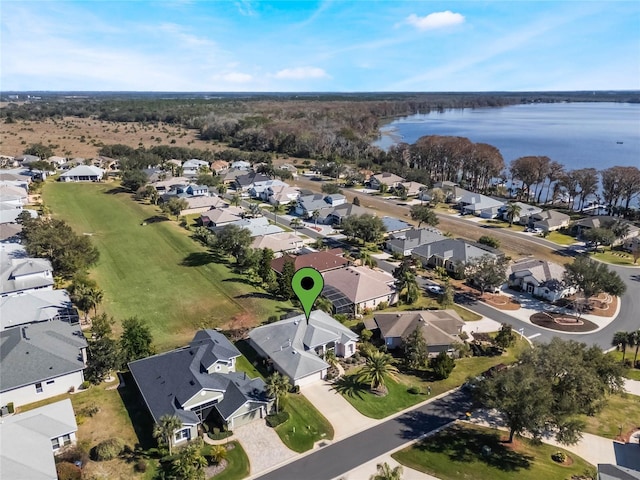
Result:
x=263 y=446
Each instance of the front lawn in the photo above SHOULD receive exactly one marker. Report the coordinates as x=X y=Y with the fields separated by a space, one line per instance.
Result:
x=477 y=453
x=622 y=414
x=238 y=467
x=630 y=373
x=427 y=302
x=306 y=425
x=156 y=271
x=399 y=398
x=615 y=257
x=560 y=238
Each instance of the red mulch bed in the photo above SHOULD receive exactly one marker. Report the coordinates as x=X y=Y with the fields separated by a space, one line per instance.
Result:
x=544 y=320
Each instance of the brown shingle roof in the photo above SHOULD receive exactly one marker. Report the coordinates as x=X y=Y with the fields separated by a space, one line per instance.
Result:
x=321 y=261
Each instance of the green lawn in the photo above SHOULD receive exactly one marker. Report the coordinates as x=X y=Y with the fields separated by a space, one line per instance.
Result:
x=427 y=301
x=561 y=238
x=615 y=257
x=306 y=425
x=399 y=397
x=621 y=411
x=457 y=454
x=156 y=271
x=631 y=373
x=238 y=467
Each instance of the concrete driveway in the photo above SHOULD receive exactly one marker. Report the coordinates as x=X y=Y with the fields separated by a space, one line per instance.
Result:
x=263 y=446
x=345 y=419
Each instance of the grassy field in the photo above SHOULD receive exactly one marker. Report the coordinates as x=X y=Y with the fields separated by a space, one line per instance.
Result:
x=561 y=238
x=306 y=425
x=156 y=272
x=622 y=413
x=631 y=373
x=399 y=398
x=615 y=257
x=457 y=454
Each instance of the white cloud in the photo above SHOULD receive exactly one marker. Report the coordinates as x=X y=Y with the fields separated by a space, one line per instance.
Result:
x=301 y=73
x=184 y=38
x=246 y=8
x=435 y=20
x=236 y=77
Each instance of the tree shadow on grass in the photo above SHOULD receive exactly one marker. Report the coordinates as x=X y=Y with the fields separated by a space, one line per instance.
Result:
x=156 y=219
x=350 y=386
x=116 y=190
x=197 y=259
x=246 y=281
x=259 y=295
x=462 y=444
x=138 y=414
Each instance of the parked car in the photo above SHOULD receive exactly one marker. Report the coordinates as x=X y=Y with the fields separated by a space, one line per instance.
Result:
x=436 y=289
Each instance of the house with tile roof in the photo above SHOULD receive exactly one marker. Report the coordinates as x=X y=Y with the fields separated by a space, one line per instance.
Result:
x=322 y=261
x=31 y=439
x=295 y=347
x=40 y=360
x=539 y=278
x=20 y=273
x=440 y=328
x=199 y=383
x=352 y=289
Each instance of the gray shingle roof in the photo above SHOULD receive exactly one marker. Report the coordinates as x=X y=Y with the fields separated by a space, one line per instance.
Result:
x=394 y=224
x=451 y=249
x=416 y=237
x=39 y=351
x=439 y=327
x=168 y=380
x=34 y=306
x=19 y=272
x=289 y=343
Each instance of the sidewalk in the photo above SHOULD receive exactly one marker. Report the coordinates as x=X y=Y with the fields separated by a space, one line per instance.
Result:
x=632 y=386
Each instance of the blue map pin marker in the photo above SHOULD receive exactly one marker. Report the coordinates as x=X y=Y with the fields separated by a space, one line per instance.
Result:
x=307 y=283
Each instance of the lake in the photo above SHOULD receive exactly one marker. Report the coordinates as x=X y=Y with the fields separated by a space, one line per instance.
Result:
x=578 y=135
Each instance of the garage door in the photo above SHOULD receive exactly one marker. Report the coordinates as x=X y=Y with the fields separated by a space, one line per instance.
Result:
x=245 y=418
x=312 y=378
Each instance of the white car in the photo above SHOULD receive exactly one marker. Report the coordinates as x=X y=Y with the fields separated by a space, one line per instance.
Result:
x=437 y=289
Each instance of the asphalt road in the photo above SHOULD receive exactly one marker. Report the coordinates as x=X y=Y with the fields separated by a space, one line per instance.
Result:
x=338 y=458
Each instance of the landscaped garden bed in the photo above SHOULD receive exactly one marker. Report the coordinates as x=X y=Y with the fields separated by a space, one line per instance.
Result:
x=562 y=322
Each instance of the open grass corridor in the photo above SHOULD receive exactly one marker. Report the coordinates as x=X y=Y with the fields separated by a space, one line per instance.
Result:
x=156 y=271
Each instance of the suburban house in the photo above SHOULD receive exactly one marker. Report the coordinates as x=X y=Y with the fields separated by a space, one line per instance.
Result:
x=36 y=306
x=31 y=439
x=19 y=273
x=83 y=173
x=260 y=189
x=391 y=180
x=40 y=360
x=287 y=167
x=394 y=226
x=322 y=261
x=10 y=232
x=339 y=213
x=199 y=383
x=220 y=167
x=440 y=328
x=308 y=204
x=412 y=189
x=170 y=184
x=15 y=178
x=257 y=226
x=525 y=212
x=294 y=346
x=539 y=278
x=12 y=199
x=241 y=165
x=57 y=161
x=193 y=167
x=220 y=217
x=450 y=253
x=605 y=221
x=353 y=289
x=202 y=204
x=279 y=242
x=479 y=205
x=281 y=195
x=251 y=180
x=26 y=160
x=547 y=220
x=405 y=242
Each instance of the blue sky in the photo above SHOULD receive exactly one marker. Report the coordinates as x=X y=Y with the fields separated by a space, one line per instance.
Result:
x=189 y=45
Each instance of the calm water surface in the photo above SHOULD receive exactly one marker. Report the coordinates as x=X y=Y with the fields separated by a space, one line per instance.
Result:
x=578 y=135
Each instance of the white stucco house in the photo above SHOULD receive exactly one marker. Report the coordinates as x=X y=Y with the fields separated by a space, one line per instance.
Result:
x=539 y=278
x=83 y=173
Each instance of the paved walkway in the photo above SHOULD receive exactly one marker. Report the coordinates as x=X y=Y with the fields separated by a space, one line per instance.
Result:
x=364 y=471
x=263 y=446
x=346 y=420
x=484 y=325
x=632 y=386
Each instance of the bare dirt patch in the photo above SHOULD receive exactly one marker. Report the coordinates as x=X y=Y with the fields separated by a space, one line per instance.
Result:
x=82 y=137
x=562 y=322
x=501 y=302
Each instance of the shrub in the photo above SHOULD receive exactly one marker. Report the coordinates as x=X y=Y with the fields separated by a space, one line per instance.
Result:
x=108 y=449
x=10 y=407
x=559 y=457
x=141 y=466
x=414 y=390
x=74 y=453
x=442 y=365
x=382 y=305
x=277 y=419
x=365 y=335
x=295 y=389
x=68 y=471
x=219 y=435
x=86 y=384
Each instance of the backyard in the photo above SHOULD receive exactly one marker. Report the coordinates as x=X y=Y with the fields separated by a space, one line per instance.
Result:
x=478 y=453
x=156 y=271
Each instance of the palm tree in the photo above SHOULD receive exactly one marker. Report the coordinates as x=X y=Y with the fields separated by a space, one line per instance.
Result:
x=165 y=429
x=385 y=472
x=276 y=209
x=315 y=216
x=235 y=200
x=634 y=339
x=295 y=223
x=330 y=358
x=324 y=304
x=218 y=453
x=221 y=188
x=255 y=210
x=277 y=387
x=621 y=340
x=377 y=370
x=620 y=229
x=96 y=296
x=513 y=211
